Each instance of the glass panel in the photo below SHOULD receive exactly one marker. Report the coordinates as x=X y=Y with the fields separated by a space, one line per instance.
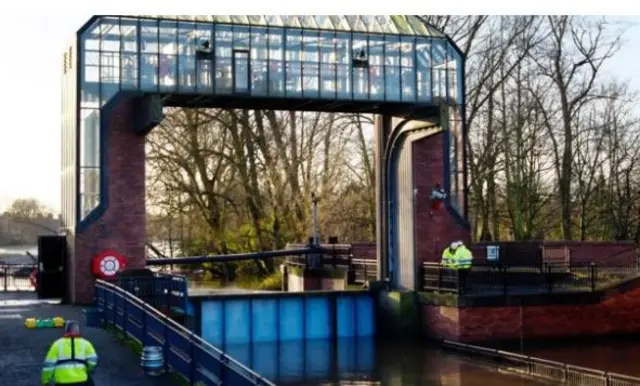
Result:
x=376 y=69
x=328 y=65
x=89 y=137
x=109 y=58
x=386 y=24
x=89 y=181
x=276 y=56
x=149 y=65
x=423 y=69
x=340 y=23
x=186 y=56
x=456 y=160
x=392 y=68
x=293 y=66
x=356 y=23
x=222 y=18
x=241 y=37
x=407 y=68
x=240 y=19
x=372 y=24
x=402 y=25
x=257 y=20
x=418 y=26
x=310 y=67
x=439 y=70
x=360 y=74
x=274 y=20
x=223 y=52
x=457 y=89
x=344 y=81
x=323 y=22
x=259 y=56
x=129 y=60
x=168 y=61
x=291 y=21
x=90 y=67
x=307 y=21
x=204 y=57
x=241 y=71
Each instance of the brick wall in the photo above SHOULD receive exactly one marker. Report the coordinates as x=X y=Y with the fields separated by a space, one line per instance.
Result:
x=434 y=230
x=619 y=314
x=122 y=226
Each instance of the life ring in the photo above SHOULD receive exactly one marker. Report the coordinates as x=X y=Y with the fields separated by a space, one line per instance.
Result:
x=107 y=264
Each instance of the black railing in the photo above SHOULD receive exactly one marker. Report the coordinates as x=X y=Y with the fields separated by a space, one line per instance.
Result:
x=543 y=369
x=359 y=271
x=185 y=353
x=16 y=277
x=549 y=278
x=162 y=291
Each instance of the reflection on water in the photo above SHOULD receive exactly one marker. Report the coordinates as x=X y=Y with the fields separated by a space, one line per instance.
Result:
x=365 y=362
x=614 y=354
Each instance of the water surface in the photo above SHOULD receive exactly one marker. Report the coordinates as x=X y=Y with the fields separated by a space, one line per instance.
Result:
x=365 y=362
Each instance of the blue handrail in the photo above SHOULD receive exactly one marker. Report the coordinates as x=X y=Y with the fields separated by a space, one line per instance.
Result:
x=185 y=353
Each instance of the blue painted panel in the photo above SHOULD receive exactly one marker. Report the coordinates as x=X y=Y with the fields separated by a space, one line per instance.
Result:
x=291 y=314
x=366 y=354
x=265 y=360
x=212 y=322
x=237 y=321
x=318 y=318
x=365 y=320
x=241 y=353
x=264 y=313
x=346 y=316
x=190 y=308
x=319 y=357
x=347 y=351
x=292 y=361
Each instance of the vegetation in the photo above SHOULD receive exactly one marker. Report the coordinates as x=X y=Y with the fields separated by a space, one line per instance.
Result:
x=553 y=152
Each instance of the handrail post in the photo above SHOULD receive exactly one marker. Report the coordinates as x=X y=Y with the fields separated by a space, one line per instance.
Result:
x=549 y=278
x=439 y=270
x=6 y=277
x=421 y=272
x=592 y=276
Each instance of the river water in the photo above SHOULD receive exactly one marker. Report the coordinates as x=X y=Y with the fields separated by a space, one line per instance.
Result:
x=614 y=354
x=366 y=362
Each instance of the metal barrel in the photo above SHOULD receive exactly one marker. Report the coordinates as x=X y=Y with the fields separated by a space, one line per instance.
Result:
x=152 y=360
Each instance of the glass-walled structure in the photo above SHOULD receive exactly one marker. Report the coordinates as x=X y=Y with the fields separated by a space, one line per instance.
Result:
x=365 y=60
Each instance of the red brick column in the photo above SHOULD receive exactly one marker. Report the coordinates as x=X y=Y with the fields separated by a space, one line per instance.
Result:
x=434 y=230
x=121 y=226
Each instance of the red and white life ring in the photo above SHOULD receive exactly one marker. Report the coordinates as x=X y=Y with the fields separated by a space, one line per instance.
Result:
x=107 y=264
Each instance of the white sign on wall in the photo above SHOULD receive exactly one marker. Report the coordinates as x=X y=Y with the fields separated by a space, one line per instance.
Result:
x=493 y=253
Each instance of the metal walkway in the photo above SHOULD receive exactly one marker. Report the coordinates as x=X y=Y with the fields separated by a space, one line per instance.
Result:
x=23 y=350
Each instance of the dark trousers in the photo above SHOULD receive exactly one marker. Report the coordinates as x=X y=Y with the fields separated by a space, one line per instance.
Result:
x=462 y=279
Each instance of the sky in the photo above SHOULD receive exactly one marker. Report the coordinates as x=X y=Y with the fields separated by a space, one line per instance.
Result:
x=30 y=81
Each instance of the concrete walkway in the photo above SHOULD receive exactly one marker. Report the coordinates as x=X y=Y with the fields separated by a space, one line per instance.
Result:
x=23 y=350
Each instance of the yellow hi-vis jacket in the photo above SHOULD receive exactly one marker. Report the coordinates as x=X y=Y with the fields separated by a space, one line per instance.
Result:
x=448 y=257
x=65 y=364
x=460 y=258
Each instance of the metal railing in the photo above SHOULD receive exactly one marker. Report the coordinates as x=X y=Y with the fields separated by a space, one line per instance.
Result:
x=163 y=291
x=339 y=256
x=500 y=279
x=15 y=277
x=185 y=353
x=543 y=369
